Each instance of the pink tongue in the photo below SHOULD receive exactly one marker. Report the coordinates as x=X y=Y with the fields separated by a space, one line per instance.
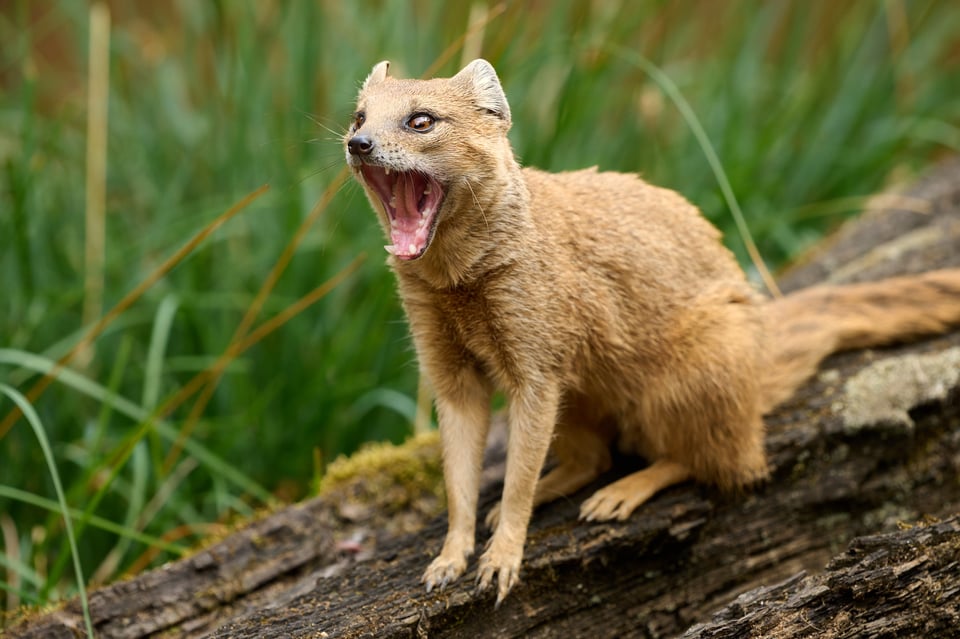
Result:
x=408 y=234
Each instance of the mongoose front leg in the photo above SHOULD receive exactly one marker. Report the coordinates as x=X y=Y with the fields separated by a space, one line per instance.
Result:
x=582 y=453
x=565 y=479
x=464 y=419
x=533 y=414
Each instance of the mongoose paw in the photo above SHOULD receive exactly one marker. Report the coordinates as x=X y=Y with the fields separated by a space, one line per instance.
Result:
x=443 y=571
x=608 y=503
x=623 y=496
x=493 y=517
x=505 y=565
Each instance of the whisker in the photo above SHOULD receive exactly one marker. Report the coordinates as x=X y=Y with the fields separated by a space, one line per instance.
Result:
x=323 y=141
x=482 y=214
x=316 y=121
x=319 y=170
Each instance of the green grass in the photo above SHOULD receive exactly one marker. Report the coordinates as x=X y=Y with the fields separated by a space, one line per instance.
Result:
x=810 y=107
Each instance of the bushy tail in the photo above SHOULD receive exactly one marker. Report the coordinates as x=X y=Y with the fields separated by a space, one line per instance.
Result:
x=808 y=325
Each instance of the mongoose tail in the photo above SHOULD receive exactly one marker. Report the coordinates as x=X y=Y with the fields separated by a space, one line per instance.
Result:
x=807 y=326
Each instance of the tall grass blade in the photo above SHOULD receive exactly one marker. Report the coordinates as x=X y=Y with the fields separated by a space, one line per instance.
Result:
x=98 y=87
x=34 y=420
x=159 y=336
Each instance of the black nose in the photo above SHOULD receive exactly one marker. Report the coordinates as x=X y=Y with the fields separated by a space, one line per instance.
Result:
x=360 y=145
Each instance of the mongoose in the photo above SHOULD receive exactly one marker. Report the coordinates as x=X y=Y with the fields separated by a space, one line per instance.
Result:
x=605 y=309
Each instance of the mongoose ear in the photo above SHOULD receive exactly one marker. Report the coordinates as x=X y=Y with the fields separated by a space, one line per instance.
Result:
x=480 y=76
x=379 y=74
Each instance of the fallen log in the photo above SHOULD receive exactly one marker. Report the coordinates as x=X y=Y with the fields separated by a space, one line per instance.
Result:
x=871 y=443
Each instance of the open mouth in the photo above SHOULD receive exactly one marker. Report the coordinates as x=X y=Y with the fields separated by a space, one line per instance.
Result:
x=411 y=200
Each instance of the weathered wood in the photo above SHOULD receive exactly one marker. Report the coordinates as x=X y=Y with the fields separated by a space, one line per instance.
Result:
x=248 y=569
x=900 y=584
x=849 y=458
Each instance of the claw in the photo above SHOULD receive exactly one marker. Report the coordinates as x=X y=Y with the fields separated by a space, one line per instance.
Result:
x=504 y=566
x=442 y=572
x=484 y=578
x=601 y=508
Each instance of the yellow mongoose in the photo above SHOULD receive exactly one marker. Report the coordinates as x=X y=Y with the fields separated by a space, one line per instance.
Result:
x=605 y=308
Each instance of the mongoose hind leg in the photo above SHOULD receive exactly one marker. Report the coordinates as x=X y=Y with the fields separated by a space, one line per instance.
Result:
x=622 y=497
x=699 y=412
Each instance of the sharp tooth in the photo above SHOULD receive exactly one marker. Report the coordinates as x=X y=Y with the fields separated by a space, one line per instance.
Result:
x=391 y=249
x=421 y=223
x=428 y=190
x=393 y=201
x=386 y=170
x=413 y=248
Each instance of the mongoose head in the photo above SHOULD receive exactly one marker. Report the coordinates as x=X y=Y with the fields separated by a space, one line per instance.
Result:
x=421 y=148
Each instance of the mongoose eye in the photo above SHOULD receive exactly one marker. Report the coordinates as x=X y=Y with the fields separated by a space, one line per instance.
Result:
x=421 y=122
x=358 y=119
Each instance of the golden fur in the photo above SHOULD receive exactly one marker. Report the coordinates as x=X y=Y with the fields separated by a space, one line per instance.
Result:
x=605 y=308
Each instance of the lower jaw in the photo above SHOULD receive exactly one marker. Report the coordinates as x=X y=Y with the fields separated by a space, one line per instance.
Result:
x=410 y=258
x=413 y=258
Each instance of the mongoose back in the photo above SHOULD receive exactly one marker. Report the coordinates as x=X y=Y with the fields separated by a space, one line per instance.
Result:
x=606 y=309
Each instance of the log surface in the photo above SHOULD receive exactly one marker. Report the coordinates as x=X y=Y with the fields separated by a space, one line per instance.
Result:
x=900 y=584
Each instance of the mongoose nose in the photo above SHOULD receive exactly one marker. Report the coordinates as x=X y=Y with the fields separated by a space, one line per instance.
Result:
x=360 y=145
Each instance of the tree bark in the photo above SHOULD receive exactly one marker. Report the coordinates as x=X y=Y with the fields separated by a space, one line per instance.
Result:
x=848 y=457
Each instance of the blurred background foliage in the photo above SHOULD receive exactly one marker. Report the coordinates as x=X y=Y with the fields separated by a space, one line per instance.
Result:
x=812 y=107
